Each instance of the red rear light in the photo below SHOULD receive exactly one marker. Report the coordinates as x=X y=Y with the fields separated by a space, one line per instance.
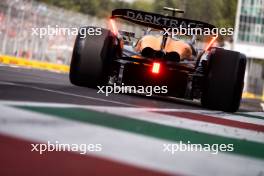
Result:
x=156 y=68
x=113 y=27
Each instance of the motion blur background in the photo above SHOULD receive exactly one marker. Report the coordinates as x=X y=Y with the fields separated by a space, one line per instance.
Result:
x=18 y=17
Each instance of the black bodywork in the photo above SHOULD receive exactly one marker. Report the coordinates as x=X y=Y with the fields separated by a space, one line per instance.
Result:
x=184 y=79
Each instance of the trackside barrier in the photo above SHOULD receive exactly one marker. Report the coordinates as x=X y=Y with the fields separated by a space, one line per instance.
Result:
x=11 y=60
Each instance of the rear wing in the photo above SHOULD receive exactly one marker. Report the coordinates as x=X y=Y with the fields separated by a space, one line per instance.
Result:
x=158 y=21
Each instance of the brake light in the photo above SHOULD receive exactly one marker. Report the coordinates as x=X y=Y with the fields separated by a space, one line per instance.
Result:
x=156 y=68
x=210 y=43
x=113 y=27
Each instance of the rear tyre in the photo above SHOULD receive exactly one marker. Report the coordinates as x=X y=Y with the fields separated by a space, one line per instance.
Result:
x=225 y=80
x=92 y=57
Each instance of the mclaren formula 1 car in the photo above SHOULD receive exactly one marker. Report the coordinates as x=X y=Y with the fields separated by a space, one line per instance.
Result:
x=212 y=75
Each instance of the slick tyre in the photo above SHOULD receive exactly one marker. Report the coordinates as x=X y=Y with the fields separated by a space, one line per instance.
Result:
x=92 y=57
x=224 y=81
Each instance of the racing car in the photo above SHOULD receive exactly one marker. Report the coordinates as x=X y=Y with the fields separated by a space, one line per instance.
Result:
x=212 y=75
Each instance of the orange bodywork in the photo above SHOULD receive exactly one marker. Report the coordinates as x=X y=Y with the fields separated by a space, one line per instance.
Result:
x=154 y=42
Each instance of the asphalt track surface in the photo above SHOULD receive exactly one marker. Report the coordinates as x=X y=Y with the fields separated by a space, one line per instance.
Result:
x=22 y=84
x=39 y=106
